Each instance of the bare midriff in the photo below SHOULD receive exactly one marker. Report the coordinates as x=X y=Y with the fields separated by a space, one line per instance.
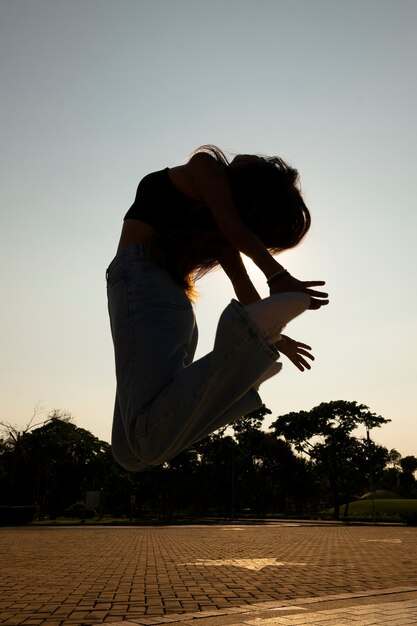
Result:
x=135 y=231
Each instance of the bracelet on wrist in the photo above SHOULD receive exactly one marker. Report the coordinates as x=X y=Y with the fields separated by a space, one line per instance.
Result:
x=274 y=277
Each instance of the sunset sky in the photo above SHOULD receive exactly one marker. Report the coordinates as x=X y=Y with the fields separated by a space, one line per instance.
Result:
x=97 y=93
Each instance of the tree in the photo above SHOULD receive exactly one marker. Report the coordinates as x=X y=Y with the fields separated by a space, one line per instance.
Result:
x=216 y=474
x=399 y=476
x=324 y=434
x=408 y=464
x=407 y=480
x=52 y=465
x=13 y=433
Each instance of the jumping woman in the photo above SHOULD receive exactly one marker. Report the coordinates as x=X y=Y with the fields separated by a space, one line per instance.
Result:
x=185 y=221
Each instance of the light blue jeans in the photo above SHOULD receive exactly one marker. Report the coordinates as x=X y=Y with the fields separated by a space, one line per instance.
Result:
x=165 y=402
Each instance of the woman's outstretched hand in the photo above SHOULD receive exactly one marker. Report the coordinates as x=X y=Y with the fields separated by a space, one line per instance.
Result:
x=286 y=282
x=296 y=352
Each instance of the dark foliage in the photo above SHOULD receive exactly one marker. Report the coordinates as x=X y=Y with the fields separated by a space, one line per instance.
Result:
x=310 y=459
x=17 y=515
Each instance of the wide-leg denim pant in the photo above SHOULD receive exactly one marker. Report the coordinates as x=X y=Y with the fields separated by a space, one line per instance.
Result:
x=165 y=402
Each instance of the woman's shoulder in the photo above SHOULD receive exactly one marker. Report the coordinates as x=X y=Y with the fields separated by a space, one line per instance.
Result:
x=182 y=177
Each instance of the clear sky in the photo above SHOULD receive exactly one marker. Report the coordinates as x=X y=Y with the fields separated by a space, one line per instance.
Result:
x=97 y=93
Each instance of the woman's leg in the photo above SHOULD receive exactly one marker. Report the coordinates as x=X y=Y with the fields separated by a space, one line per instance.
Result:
x=202 y=394
x=154 y=335
x=121 y=449
x=165 y=403
x=125 y=456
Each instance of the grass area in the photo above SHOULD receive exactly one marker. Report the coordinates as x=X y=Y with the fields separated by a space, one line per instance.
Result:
x=95 y=521
x=389 y=510
x=385 y=510
x=107 y=520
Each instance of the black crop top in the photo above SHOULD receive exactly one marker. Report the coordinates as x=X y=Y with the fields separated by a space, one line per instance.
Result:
x=160 y=204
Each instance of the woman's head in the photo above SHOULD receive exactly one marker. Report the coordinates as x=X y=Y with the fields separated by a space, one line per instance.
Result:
x=268 y=197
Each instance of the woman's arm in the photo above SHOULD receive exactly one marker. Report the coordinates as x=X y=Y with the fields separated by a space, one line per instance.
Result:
x=212 y=186
x=211 y=183
x=232 y=264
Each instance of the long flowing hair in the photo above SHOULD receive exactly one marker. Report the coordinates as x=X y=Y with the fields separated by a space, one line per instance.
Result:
x=268 y=199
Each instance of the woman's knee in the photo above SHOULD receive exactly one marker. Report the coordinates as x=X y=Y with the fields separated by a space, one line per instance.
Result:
x=129 y=461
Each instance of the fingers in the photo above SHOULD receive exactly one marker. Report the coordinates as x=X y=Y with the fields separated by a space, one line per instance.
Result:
x=301 y=364
x=289 y=283
x=313 y=283
x=316 y=304
x=300 y=355
x=303 y=345
x=306 y=354
x=317 y=294
x=313 y=292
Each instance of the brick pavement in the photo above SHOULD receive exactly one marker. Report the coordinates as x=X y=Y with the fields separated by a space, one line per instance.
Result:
x=378 y=609
x=81 y=575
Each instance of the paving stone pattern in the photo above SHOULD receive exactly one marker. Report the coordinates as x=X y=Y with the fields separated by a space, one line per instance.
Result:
x=391 y=614
x=387 y=614
x=71 y=576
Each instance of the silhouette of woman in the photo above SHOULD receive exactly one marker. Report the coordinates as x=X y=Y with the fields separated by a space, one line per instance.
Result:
x=185 y=221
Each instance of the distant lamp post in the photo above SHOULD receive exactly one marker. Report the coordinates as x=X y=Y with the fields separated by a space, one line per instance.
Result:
x=132 y=506
x=371 y=476
x=233 y=484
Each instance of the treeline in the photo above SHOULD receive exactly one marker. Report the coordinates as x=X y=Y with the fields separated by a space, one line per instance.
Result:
x=304 y=463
